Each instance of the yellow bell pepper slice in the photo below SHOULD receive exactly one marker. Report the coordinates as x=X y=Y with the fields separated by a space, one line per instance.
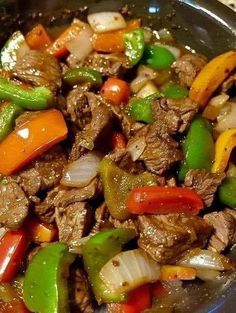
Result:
x=223 y=148
x=211 y=77
x=175 y=272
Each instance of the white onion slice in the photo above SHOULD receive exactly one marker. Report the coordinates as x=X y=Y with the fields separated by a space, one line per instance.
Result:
x=138 y=83
x=205 y=259
x=129 y=270
x=165 y=34
x=81 y=172
x=219 y=101
x=3 y=231
x=227 y=117
x=147 y=71
x=106 y=21
x=207 y=275
x=148 y=90
x=136 y=147
x=81 y=46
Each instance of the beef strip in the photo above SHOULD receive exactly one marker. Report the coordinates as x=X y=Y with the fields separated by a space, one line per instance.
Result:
x=204 y=183
x=13 y=204
x=77 y=106
x=102 y=222
x=44 y=173
x=224 y=224
x=113 y=64
x=80 y=298
x=39 y=69
x=124 y=160
x=166 y=237
x=46 y=209
x=74 y=222
x=161 y=151
x=100 y=125
x=175 y=114
x=187 y=67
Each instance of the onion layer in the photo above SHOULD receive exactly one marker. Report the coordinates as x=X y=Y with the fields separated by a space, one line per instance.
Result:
x=106 y=21
x=129 y=270
x=81 y=172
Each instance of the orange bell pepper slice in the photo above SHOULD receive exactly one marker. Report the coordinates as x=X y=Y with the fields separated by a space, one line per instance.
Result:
x=173 y=272
x=113 y=41
x=223 y=148
x=31 y=139
x=41 y=232
x=211 y=77
x=38 y=38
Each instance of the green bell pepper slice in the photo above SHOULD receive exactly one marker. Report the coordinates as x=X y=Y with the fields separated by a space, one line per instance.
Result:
x=45 y=287
x=82 y=75
x=117 y=184
x=141 y=110
x=97 y=251
x=37 y=98
x=8 y=115
x=198 y=147
x=158 y=57
x=227 y=192
x=175 y=91
x=10 y=50
x=134 y=45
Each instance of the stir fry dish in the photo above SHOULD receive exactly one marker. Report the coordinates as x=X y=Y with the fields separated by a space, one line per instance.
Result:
x=117 y=172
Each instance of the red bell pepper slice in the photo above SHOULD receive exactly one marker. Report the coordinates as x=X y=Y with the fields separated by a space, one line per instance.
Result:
x=14 y=306
x=116 y=90
x=118 y=141
x=164 y=200
x=13 y=247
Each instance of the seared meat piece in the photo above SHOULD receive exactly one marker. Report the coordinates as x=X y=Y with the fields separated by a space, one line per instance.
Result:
x=101 y=219
x=161 y=151
x=46 y=209
x=204 y=183
x=188 y=66
x=74 y=222
x=13 y=204
x=38 y=68
x=112 y=64
x=44 y=173
x=224 y=224
x=80 y=298
x=93 y=132
x=175 y=114
x=77 y=106
x=123 y=159
x=166 y=237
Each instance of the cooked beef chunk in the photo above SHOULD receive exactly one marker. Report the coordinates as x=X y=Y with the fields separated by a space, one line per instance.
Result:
x=166 y=237
x=228 y=83
x=44 y=173
x=13 y=204
x=46 y=209
x=224 y=224
x=40 y=69
x=77 y=106
x=204 y=183
x=124 y=161
x=80 y=298
x=93 y=132
x=188 y=66
x=113 y=64
x=124 y=224
x=175 y=114
x=101 y=219
x=74 y=222
x=161 y=151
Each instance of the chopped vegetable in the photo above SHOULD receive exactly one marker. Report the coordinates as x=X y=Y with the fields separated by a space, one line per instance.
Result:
x=198 y=147
x=8 y=114
x=164 y=200
x=147 y=90
x=226 y=118
x=227 y=192
x=207 y=275
x=211 y=77
x=38 y=98
x=103 y=22
x=41 y=232
x=129 y=270
x=97 y=251
x=14 y=306
x=38 y=38
x=174 y=272
x=31 y=139
x=115 y=179
x=116 y=90
x=82 y=171
x=134 y=45
x=113 y=41
x=158 y=57
x=212 y=110
x=118 y=141
x=82 y=75
x=138 y=83
x=13 y=248
x=141 y=110
x=14 y=48
x=174 y=91
x=206 y=259
x=45 y=287
x=224 y=146
x=159 y=290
